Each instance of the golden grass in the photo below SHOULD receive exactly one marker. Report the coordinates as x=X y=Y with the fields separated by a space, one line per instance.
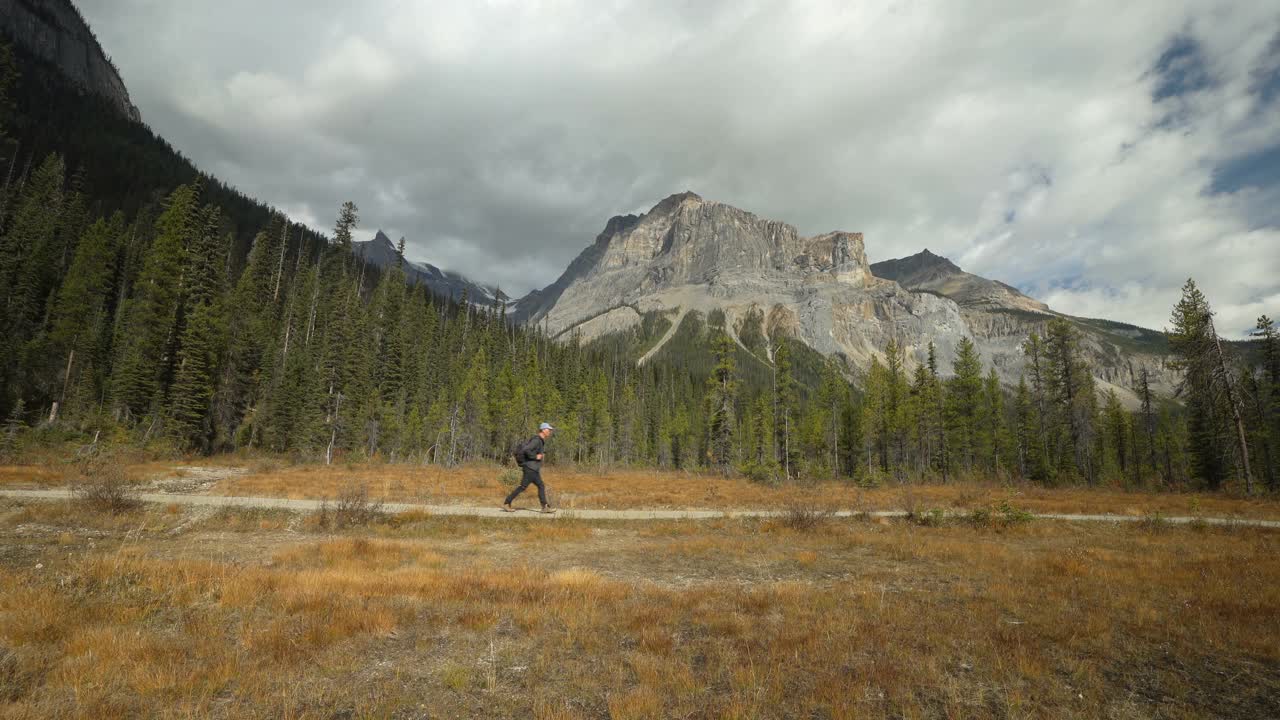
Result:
x=59 y=473
x=748 y=619
x=628 y=489
x=581 y=487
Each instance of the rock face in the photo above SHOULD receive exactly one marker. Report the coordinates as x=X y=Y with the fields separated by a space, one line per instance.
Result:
x=55 y=32
x=690 y=254
x=381 y=252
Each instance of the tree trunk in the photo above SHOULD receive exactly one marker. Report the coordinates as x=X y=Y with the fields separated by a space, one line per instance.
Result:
x=1235 y=409
x=66 y=377
x=284 y=243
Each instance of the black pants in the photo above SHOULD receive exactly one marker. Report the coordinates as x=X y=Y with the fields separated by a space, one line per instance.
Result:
x=530 y=476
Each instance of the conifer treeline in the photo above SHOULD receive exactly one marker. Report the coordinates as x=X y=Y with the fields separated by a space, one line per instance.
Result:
x=155 y=329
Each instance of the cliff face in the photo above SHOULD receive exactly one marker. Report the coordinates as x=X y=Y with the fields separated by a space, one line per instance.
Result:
x=690 y=254
x=55 y=32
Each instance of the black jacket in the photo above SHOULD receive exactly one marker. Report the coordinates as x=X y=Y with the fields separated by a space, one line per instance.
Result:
x=529 y=453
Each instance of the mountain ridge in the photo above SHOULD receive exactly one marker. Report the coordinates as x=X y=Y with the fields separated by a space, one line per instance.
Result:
x=691 y=254
x=935 y=273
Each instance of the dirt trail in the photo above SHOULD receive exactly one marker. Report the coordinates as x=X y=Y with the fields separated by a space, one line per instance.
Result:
x=585 y=514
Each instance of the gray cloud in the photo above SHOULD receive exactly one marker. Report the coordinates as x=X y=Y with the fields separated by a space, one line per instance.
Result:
x=1069 y=148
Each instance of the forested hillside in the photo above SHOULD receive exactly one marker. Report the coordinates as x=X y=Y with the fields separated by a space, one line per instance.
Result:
x=146 y=304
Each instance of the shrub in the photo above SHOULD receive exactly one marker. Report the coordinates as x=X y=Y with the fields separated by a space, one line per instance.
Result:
x=1013 y=515
x=932 y=517
x=763 y=473
x=980 y=517
x=100 y=482
x=805 y=517
x=1153 y=522
x=354 y=507
x=1003 y=515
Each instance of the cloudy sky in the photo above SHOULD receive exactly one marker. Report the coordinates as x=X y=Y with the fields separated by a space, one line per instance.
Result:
x=1095 y=154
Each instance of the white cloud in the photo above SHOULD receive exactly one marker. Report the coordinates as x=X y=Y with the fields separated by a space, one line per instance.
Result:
x=1021 y=139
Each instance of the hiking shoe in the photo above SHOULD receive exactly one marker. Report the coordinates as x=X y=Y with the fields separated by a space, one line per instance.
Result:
x=548 y=509
x=508 y=508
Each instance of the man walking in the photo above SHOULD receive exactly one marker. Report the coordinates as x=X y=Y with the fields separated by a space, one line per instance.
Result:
x=529 y=458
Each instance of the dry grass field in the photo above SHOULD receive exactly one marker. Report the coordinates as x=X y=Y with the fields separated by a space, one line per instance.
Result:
x=620 y=489
x=173 y=612
x=650 y=489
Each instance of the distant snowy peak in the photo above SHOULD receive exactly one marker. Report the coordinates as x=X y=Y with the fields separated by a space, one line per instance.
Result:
x=381 y=252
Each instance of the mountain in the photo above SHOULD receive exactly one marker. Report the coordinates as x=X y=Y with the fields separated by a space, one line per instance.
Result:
x=691 y=255
x=927 y=272
x=55 y=32
x=381 y=252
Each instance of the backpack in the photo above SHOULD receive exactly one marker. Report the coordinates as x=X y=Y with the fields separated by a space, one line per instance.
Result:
x=517 y=451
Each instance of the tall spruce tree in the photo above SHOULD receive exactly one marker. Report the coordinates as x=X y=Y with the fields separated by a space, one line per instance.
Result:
x=202 y=339
x=148 y=333
x=1269 y=399
x=786 y=409
x=80 y=323
x=1070 y=390
x=964 y=397
x=722 y=395
x=1207 y=386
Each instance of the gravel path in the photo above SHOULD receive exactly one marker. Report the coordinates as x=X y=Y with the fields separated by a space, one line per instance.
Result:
x=470 y=510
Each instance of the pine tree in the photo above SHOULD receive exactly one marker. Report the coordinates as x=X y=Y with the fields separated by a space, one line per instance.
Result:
x=1070 y=392
x=1269 y=399
x=1027 y=435
x=722 y=394
x=1148 y=416
x=1208 y=387
x=995 y=439
x=964 y=397
x=202 y=340
x=148 y=332
x=1040 y=456
x=939 y=416
x=920 y=410
x=29 y=256
x=1117 y=424
x=251 y=325
x=599 y=421
x=833 y=396
x=630 y=443
x=785 y=408
x=348 y=216
x=80 y=322
x=29 y=248
x=895 y=415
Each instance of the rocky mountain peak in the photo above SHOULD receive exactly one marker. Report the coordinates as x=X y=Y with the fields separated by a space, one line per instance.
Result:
x=916 y=269
x=686 y=241
x=928 y=272
x=672 y=203
x=381 y=252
